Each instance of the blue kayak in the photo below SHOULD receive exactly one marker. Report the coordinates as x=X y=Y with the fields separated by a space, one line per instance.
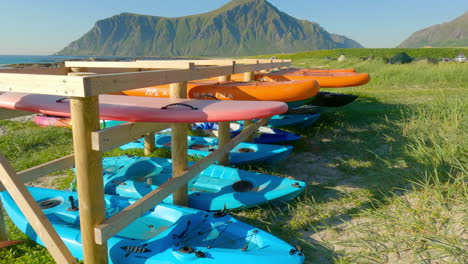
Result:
x=304 y=120
x=243 y=153
x=265 y=135
x=165 y=234
x=216 y=188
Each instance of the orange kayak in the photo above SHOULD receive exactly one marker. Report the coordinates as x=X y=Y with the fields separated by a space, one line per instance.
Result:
x=325 y=79
x=295 y=93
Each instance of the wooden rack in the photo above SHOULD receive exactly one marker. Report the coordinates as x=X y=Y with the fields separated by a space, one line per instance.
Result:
x=77 y=82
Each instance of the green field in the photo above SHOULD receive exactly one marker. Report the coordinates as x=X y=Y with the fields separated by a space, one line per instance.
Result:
x=387 y=174
x=437 y=53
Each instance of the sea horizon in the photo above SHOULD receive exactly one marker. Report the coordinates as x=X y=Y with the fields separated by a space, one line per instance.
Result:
x=45 y=59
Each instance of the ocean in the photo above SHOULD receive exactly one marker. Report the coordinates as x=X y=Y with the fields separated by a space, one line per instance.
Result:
x=15 y=59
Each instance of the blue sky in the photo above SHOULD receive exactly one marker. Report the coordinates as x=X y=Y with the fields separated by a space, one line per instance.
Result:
x=44 y=27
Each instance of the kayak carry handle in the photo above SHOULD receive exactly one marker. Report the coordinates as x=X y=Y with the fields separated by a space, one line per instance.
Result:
x=61 y=99
x=182 y=104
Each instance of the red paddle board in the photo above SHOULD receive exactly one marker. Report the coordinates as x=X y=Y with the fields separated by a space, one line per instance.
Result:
x=149 y=109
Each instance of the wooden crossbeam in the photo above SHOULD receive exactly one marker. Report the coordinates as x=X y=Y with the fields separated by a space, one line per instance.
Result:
x=110 y=83
x=33 y=213
x=113 y=225
x=112 y=137
x=166 y=64
x=82 y=86
x=42 y=84
x=45 y=169
x=116 y=67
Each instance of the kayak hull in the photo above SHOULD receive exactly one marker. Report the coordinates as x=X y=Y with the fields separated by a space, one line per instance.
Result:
x=330 y=80
x=304 y=120
x=165 y=234
x=216 y=188
x=264 y=135
x=243 y=153
x=292 y=92
x=326 y=99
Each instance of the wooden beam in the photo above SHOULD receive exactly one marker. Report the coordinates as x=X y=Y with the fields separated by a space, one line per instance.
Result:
x=167 y=64
x=88 y=163
x=224 y=136
x=116 y=223
x=81 y=86
x=150 y=146
x=179 y=160
x=142 y=64
x=178 y=90
x=241 y=68
x=8 y=113
x=33 y=213
x=224 y=131
x=47 y=168
x=42 y=84
x=78 y=69
x=224 y=78
x=112 y=137
x=248 y=76
x=112 y=70
x=110 y=83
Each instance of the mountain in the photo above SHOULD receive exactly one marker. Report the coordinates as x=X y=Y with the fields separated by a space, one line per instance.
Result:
x=241 y=27
x=450 y=34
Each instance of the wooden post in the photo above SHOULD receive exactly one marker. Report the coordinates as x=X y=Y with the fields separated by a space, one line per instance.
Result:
x=224 y=136
x=248 y=76
x=224 y=78
x=78 y=70
x=178 y=90
x=224 y=131
x=150 y=146
x=179 y=160
x=88 y=162
x=179 y=146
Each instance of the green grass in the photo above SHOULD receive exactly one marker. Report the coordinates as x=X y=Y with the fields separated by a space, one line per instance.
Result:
x=376 y=53
x=387 y=174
